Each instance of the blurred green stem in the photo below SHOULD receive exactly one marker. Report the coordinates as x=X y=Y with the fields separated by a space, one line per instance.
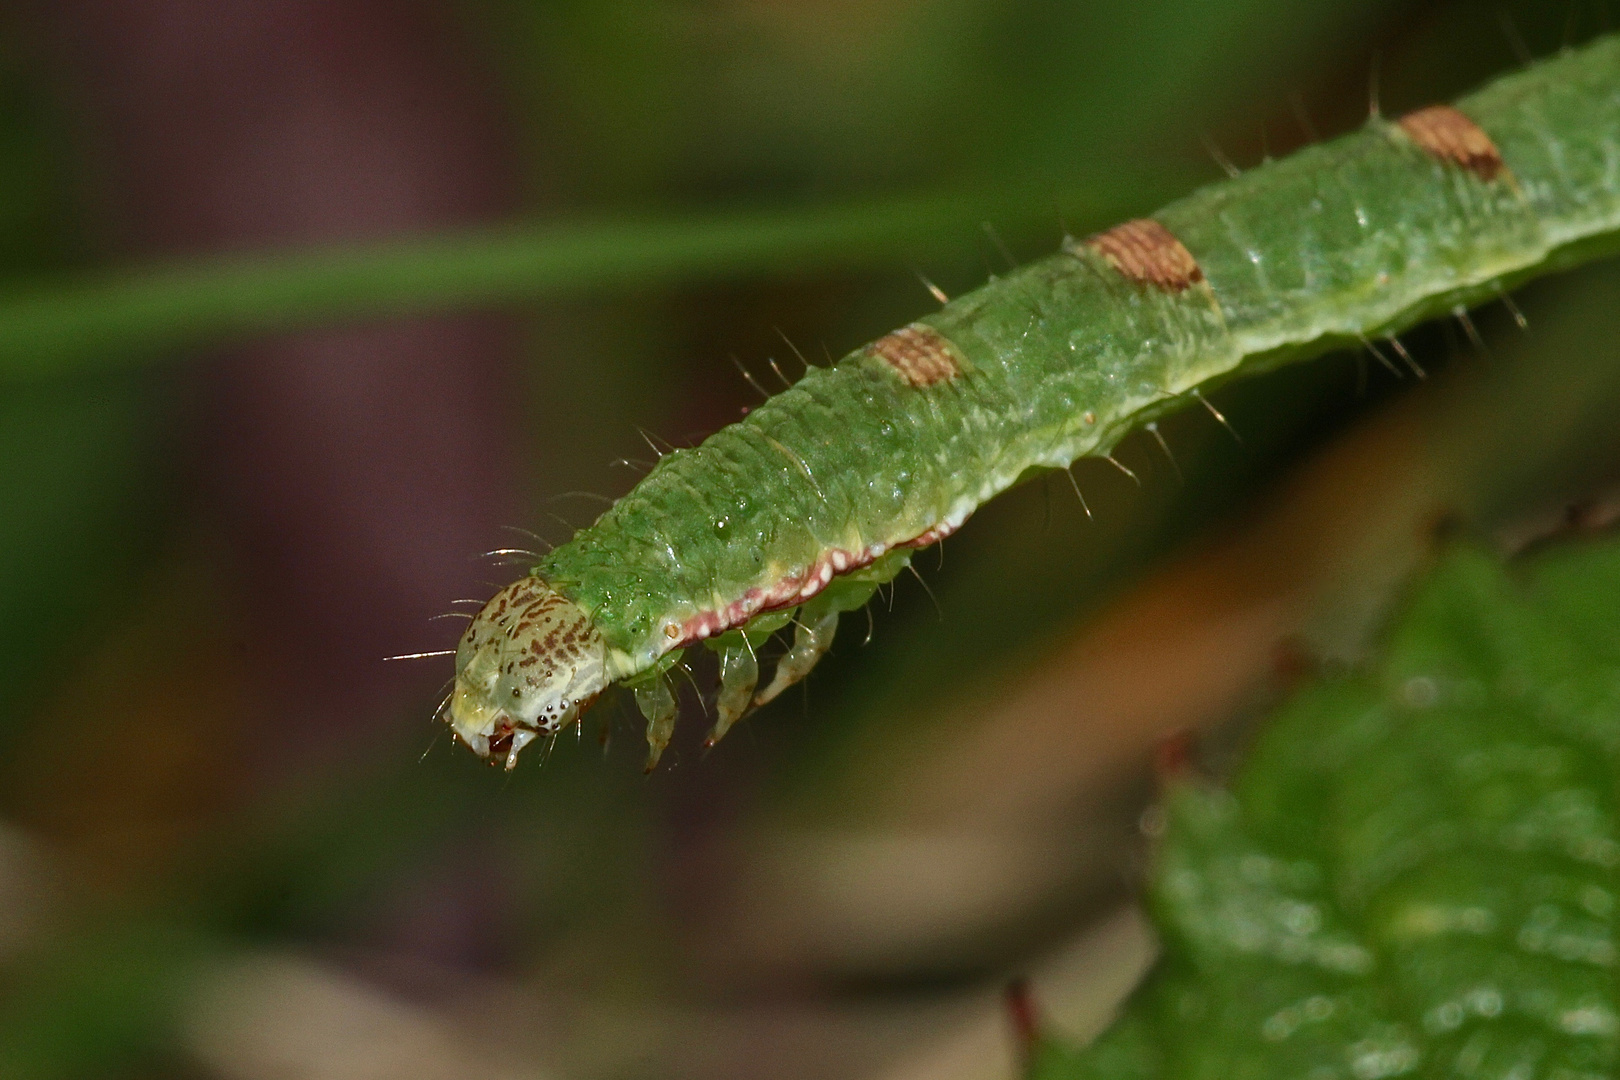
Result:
x=119 y=316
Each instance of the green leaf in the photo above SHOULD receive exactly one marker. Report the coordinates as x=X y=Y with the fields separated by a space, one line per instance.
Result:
x=1415 y=871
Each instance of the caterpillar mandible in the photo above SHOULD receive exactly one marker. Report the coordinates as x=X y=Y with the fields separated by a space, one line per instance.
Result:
x=801 y=510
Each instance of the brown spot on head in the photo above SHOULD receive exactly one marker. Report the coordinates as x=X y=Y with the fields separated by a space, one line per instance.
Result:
x=1149 y=254
x=501 y=701
x=920 y=354
x=1450 y=136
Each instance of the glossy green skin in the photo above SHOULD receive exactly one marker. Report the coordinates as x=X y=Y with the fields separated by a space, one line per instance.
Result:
x=1348 y=240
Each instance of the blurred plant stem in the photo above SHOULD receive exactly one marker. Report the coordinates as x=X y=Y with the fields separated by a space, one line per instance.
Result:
x=119 y=316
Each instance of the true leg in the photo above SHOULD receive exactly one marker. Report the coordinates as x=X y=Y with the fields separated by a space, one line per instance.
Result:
x=739 y=674
x=657 y=704
x=811 y=639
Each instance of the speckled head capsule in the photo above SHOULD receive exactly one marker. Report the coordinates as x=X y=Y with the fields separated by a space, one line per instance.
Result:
x=527 y=666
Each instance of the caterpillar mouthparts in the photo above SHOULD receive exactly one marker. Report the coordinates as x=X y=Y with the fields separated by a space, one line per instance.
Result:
x=528 y=665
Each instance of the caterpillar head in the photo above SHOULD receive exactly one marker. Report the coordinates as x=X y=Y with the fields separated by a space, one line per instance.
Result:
x=527 y=666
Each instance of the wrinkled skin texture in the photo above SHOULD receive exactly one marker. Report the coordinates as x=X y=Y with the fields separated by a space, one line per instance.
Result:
x=894 y=446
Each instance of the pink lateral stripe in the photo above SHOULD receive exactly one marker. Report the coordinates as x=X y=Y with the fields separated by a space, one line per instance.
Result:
x=795 y=589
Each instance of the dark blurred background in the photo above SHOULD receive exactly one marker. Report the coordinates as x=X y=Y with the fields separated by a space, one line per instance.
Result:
x=232 y=844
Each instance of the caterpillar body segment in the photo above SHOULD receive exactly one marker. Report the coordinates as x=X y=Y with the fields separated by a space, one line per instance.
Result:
x=802 y=509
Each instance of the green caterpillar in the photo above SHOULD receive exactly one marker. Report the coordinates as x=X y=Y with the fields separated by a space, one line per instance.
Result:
x=803 y=509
